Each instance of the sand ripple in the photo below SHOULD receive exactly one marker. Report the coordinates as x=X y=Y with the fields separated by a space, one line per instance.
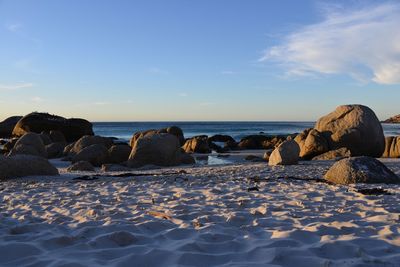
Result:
x=207 y=217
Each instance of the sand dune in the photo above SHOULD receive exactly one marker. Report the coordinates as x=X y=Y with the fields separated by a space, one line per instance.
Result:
x=210 y=216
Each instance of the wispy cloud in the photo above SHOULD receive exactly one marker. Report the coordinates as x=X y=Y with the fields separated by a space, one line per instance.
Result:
x=361 y=42
x=15 y=86
x=204 y=104
x=157 y=71
x=183 y=94
x=13 y=27
x=228 y=72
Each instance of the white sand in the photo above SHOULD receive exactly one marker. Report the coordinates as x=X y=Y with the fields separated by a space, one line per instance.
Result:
x=206 y=217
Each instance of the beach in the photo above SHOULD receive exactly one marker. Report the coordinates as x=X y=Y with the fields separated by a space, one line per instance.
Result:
x=241 y=214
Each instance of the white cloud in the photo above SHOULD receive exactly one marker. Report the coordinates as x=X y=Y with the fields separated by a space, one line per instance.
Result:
x=183 y=94
x=363 y=43
x=16 y=86
x=227 y=72
x=37 y=99
x=157 y=71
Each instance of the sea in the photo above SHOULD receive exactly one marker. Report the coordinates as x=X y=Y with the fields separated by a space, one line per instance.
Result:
x=124 y=130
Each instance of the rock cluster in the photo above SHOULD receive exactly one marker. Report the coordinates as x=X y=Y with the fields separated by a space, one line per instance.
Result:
x=354 y=127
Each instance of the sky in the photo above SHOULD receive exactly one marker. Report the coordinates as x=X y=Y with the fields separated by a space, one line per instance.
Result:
x=208 y=60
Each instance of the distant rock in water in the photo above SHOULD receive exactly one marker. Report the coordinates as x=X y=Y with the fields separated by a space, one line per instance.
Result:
x=394 y=119
x=355 y=127
x=261 y=141
x=72 y=129
x=360 y=170
x=7 y=126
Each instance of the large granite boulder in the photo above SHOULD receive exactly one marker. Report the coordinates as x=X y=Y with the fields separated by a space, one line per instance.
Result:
x=360 y=170
x=336 y=154
x=159 y=149
x=311 y=143
x=7 y=126
x=286 y=153
x=197 y=144
x=29 y=144
x=355 y=127
x=86 y=141
x=25 y=165
x=72 y=129
x=174 y=130
x=119 y=153
x=96 y=154
x=392 y=147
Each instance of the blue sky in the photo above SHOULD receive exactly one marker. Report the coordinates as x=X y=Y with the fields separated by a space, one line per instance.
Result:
x=198 y=60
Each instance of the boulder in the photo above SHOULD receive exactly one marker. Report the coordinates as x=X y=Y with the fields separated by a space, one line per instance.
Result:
x=261 y=141
x=88 y=140
x=29 y=144
x=286 y=153
x=114 y=168
x=45 y=138
x=221 y=138
x=360 y=170
x=336 y=154
x=174 y=130
x=25 y=165
x=159 y=149
x=392 y=147
x=57 y=137
x=81 y=166
x=311 y=143
x=36 y=122
x=267 y=154
x=355 y=127
x=55 y=150
x=197 y=144
x=96 y=154
x=10 y=144
x=119 y=153
x=228 y=143
x=7 y=126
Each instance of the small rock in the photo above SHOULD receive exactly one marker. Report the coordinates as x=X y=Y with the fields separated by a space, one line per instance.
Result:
x=81 y=166
x=286 y=153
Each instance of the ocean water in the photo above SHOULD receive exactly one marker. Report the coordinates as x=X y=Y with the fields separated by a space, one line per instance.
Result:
x=125 y=130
